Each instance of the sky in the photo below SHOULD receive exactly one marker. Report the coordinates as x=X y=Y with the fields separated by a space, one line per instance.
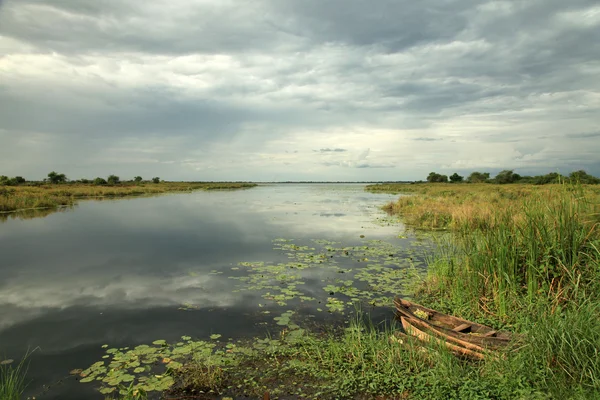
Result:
x=269 y=90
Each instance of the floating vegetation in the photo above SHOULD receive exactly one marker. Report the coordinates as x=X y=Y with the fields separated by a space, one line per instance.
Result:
x=369 y=274
x=379 y=270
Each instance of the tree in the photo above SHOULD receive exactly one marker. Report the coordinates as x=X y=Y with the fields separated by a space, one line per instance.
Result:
x=456 y=178
x=435 y=177
x=113 y=180
x=583 y=177
x=100 y=181
x=54 y=177
x=156 y=179
x=137 y=179
x=478 y=177
x=3 y=180
x=507 y=176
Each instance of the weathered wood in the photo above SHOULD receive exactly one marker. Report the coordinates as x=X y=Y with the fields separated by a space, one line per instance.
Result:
x=462 y=328
x=464 y=343
x=446 y=325
x=414 y=331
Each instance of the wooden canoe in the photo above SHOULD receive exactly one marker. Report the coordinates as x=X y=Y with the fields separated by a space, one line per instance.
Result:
x=425 y=336
x=457 y=330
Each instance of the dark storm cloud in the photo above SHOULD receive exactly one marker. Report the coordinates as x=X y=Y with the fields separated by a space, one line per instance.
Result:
x=504 y=82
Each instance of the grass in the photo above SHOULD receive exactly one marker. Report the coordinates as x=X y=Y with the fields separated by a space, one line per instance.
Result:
x=53 y=196
x=361 y=362
x=13 y=379
x=525 y=258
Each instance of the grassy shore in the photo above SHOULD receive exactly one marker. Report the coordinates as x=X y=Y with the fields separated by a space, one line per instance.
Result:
x=523 y=257
x=53 y=196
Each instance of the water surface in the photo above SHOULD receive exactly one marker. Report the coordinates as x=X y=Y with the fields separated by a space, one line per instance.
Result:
x=118 y=272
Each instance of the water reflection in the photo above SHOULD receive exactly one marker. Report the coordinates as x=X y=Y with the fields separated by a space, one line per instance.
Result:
x=119 y=271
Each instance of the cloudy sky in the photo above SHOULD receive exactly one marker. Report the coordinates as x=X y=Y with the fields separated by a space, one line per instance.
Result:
x=298 y=89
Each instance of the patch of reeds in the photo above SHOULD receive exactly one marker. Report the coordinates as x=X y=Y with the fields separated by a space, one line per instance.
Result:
x=53 y=196
x=526 y=258
x=13 y=380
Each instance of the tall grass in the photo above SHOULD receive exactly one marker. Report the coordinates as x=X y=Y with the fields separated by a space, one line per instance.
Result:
x=13 y=381
x=53 y=196
x=523 y=258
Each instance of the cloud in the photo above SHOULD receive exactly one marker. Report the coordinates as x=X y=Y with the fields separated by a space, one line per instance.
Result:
x=129 y=85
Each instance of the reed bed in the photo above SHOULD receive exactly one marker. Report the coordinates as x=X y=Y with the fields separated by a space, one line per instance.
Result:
x=53 y=196
x=522 y=257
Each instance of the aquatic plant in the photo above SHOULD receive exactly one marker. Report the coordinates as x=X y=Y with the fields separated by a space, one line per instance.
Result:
x=13 y=378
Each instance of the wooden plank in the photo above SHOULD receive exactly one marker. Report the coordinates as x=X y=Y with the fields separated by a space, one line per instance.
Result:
x=446 y=337
x=411 y=330
x=490 y=334
x=462 y=328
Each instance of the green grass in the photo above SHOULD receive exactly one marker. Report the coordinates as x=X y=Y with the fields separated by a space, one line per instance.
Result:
x=13 y=379
x=533 y=267
x=46 y=196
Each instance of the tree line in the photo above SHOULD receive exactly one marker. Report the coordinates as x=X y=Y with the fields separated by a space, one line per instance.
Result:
x=55 y=178
x=509 y=176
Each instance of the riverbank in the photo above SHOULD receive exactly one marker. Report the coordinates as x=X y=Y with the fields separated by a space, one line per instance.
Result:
x=523 y=257
x=29 y=197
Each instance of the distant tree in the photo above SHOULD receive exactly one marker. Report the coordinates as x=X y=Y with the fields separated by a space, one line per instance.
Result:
x=583 y=177
x=478 y=177
x=552 y=177
x=507 y=176
x=456 y=178
x=113 y=180
x=156 y=179
x=19 y=180
x=137 y=179
x=86 y=181
x=435 y=177
x=54 y=177
x=100 y=181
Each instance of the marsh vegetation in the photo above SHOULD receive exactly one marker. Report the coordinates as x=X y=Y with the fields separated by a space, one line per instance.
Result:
x=55 y=191
x=521 y=258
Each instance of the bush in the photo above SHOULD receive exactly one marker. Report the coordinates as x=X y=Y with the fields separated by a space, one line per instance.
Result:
x=100 y=181
x=113 y=180
x=156 y=179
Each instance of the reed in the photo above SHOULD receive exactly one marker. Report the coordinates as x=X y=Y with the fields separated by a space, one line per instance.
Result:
x=524 y=258
x=54 y=196
x=13 y=379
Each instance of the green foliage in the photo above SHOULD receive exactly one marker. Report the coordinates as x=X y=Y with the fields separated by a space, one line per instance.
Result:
x=6 y=181
x=435 y=177
x=583 y=177
x=507 y=176
x=478 y=177
x=156 y=179
x=113 y=180
x=55 y=178
x=137 y=179
x=13 y=379
x=100 y=181
x=456 y=178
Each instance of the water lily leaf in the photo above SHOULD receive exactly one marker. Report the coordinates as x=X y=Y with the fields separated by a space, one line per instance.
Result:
x=215 y=336
x=6 y=362
x=160 y=342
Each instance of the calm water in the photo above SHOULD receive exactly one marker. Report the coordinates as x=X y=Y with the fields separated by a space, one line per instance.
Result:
x=118 y=272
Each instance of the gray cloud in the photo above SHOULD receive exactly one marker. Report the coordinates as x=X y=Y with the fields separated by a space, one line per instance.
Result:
x=225 y=88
